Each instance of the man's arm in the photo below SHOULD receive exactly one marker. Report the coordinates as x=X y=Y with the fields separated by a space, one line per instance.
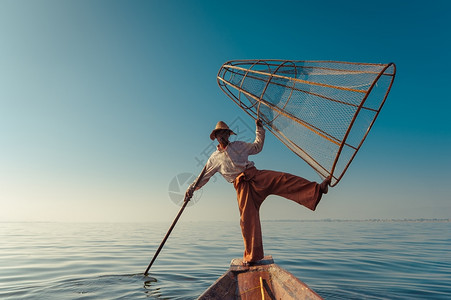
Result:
x=209 y=172
x=257 y=146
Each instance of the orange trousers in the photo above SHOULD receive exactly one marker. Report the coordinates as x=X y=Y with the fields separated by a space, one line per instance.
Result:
x=252 y=187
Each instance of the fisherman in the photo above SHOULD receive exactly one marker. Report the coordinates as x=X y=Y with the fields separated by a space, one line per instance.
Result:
x=253 y=185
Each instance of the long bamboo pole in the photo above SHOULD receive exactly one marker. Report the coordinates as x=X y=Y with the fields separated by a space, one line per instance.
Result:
x=185 y=202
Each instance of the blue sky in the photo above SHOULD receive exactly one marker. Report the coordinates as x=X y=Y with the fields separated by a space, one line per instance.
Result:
x=103 y=103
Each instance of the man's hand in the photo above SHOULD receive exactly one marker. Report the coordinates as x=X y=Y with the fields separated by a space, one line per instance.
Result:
x=189 y=192
x=259 y=123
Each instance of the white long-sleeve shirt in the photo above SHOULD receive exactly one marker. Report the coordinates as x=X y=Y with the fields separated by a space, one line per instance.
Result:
x=233 y=160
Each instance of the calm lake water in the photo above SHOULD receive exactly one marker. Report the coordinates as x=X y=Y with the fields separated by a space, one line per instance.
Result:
x=339 y=260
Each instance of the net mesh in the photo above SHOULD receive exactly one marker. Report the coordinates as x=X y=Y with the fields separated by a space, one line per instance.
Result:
x=321 y=110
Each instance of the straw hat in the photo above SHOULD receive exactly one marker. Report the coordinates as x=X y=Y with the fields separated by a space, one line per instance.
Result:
x=220 y=126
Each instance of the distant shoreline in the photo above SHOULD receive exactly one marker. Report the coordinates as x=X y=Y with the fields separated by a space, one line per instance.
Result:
x=369 y=220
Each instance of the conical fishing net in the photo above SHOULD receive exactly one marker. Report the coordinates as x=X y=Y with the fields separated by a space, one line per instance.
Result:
x=321 y=110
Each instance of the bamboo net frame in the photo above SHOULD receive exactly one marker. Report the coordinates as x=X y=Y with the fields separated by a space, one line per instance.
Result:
x=321 y=110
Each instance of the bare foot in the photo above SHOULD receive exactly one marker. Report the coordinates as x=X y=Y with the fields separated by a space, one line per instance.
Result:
x=324 y=186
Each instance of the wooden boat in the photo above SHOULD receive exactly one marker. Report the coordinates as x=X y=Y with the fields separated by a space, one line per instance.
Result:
x=263 y=280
